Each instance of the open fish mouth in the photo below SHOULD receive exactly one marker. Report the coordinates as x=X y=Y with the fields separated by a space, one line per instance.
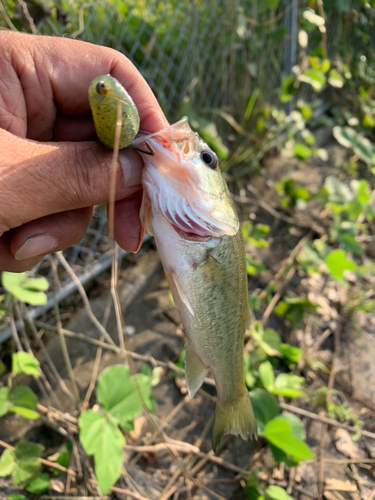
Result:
x=179 y=185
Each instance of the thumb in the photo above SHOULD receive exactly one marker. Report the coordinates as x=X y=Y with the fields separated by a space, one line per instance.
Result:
x=39 y=179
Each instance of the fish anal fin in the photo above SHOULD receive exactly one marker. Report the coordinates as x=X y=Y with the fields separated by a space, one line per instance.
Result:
x=195 y=371
x=181 y=292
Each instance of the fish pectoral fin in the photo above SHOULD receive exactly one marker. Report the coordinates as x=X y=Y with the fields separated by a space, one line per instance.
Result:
x=181 y=292
x=195 y=371
x=145 y=214
x=213 y=268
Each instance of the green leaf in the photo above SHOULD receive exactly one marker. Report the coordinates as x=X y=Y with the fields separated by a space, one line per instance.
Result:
x=101 y=437
x=349 y=243
x=279 y=432
x=349 y=138
x=27 y=455
x=5 y=404
x=39 y=484
x=338 y=192
x=282 y=308
x=2 y=366
x=7 y=463
x=355 y=209
x=271 y=342
x=265 y=407
x=23 y=362
x=117 y=393
x=25 y=289
x=260 y=231
x=291 y=353
x=23 y=396
x=64 y=456
x=268 y=340
x=301 y=151
x=288 y=385
x=313 y=77
x=277 y=493
x=335 y=79
x=362 y=191
x=298 y=429
x=17 y=496
x=24 y=412
x=337 y=263
x=267 y=376
x=253 y=266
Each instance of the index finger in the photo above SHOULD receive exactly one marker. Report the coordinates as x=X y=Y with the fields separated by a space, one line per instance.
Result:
x=55 y=74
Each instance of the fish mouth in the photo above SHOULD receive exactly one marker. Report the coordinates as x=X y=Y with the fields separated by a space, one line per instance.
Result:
x=190 y=236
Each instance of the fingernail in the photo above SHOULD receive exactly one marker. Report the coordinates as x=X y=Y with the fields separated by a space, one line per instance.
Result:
x=37 y=245
x=131 y=164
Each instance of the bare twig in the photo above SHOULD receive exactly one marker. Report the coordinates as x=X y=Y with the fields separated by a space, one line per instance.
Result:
x=13 y=328
x=286 y=262
x=155 y=448
x=331 y=382
x=128 y=492
x=30 y=20
x=6 y=17
x=169 y=489
x=65 y=497
x=84 y=298
x=47 y=357
x=55 y=416
x=304 y=492
x=325 y=420
x=81 y=22
x=63 y=345
x=322 y=338
x=275 y=299
x=98 y=356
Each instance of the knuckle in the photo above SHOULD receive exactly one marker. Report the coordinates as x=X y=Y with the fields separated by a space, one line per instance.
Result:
x=90 y=172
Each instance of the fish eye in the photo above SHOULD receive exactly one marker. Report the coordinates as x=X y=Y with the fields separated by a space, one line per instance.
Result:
x=100 y=87
x=209 y=158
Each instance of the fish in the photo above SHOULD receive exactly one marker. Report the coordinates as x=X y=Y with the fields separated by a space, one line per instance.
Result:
x=188 y=209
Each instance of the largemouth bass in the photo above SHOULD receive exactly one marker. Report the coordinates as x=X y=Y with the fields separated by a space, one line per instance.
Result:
x=188 y=208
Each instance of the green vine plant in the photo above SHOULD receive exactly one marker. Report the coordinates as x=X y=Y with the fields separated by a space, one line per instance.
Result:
x=119 y=401
x=100 y=429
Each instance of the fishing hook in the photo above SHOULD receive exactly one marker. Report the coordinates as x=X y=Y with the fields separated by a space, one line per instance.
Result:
x=150 y=151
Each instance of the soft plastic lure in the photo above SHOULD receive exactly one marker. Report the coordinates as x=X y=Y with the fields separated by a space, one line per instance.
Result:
x=104 y=94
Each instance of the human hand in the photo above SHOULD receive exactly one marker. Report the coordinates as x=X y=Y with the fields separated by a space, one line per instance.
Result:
x=51 y=170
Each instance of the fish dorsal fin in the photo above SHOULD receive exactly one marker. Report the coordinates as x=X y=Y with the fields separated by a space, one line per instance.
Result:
x=195 y=371
x=181 y=292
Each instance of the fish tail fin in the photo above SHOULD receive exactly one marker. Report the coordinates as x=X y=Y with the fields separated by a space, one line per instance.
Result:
x=234 y=417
